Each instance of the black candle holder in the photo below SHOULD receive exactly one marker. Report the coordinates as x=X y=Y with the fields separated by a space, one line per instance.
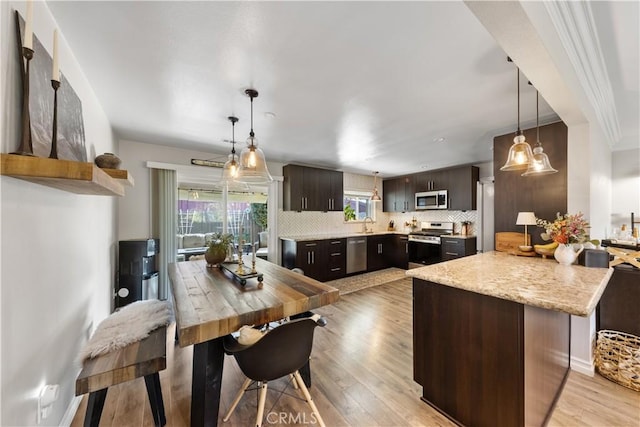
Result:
x=26 y=144
x=55 y=84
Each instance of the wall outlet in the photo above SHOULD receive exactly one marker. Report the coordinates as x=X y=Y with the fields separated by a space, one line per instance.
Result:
x=48 y=396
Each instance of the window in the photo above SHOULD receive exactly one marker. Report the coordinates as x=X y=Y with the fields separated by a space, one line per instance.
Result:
x=360 y=203
x=203 y=211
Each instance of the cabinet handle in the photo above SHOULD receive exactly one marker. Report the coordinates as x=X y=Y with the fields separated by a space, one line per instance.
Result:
x=406 y=248
x=313 y=257
x=336 y=242
x=308 y=258
x=309 y=245
x=336 y=254
x=451 y=253
x=336 y=269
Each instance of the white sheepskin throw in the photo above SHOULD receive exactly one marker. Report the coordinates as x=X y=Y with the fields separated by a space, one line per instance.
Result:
x=131 y=323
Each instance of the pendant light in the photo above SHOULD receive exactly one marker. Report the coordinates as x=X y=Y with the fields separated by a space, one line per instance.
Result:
x=540 y=164
x=520 y=154
x=230 y=169
x=375 y=197
x=253 y=166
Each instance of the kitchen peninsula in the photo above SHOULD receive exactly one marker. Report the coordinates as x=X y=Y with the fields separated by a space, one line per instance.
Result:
x=492 y=334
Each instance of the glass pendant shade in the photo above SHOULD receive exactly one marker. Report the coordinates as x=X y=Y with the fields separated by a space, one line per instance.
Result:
x=540 y=164
x=253 y=166
x=520 y=155
x=230 y=170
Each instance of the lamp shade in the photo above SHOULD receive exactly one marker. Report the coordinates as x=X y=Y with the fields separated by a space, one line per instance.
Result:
x=253 y=166
x=526 y=218
x=230 y=170
x=520 y=155
x=540 y=164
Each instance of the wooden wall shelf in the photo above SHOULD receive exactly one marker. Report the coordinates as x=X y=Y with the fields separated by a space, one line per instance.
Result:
x=67 y=175
x=122 y=175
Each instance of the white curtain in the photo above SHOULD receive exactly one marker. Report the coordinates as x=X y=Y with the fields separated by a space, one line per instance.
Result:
x=166 y=224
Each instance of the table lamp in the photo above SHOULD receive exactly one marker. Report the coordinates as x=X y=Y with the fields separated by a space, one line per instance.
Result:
x=526 y=218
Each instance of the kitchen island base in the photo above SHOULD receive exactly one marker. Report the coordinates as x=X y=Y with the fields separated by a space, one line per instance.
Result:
x=486 y=361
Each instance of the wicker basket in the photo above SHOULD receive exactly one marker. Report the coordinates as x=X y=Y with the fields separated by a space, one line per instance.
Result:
x=618 y=358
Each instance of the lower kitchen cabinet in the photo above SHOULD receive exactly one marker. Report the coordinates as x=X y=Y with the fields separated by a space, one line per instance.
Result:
x=453 y=248
x=618 y=306
x=379 y=252
x=400 y=255
x=320 y=259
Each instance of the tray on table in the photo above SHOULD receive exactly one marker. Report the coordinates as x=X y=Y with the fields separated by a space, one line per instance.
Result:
x=232 y=268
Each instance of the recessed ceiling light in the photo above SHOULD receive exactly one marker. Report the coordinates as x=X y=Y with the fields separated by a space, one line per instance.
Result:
x=424 y=166
x=439 y=139
x=270 y=115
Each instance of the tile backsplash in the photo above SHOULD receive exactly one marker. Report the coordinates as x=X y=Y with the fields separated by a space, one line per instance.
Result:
x=304 y=223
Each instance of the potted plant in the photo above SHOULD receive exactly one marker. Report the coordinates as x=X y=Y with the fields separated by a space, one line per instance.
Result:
x=218 y=249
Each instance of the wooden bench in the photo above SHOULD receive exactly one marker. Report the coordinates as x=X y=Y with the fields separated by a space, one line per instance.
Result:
x=144 y=358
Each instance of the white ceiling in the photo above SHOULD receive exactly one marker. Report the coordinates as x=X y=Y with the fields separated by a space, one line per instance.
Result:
x=357 y=86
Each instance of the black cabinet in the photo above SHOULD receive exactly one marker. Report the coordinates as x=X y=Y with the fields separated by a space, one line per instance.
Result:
x=379 y=252
x=398 y=194
x=457 y=248
x=137 y=271
x=312 y=189
x=320 y=259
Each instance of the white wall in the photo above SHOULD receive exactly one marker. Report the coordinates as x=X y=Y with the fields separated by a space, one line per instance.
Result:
x=57 y=250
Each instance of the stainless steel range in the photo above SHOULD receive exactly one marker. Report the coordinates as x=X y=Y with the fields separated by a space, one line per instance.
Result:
x=424 y=243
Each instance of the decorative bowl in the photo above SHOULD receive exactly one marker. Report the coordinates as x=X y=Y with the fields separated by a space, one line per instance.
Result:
x=545 y=252
x=107 y=161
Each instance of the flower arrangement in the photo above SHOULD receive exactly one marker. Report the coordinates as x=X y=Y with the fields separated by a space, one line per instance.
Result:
x=565 y=229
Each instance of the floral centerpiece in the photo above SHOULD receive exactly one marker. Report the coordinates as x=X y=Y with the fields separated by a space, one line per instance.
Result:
x=565 y=228
x=568 y=232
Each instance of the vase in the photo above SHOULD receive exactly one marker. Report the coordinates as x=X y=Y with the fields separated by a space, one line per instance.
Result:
x=566 y=254
x=107 y=161
x=215 y=255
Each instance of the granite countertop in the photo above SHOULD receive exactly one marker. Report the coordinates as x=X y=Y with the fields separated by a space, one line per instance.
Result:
x=532 y=281
x=337 y=235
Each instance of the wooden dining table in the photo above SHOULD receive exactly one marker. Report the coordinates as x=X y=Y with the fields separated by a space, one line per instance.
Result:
x=209 y=303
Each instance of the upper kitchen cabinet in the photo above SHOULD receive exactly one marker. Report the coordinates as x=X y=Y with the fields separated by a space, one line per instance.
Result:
x=432 y=180
x=398 y=194
x=312 y=189
x=462 y=188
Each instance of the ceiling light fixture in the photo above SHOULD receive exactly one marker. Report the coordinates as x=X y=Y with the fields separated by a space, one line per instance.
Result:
x=375 y=197
x=540 y=164
x=253 y=166
x=520 y=154
x=230 y=169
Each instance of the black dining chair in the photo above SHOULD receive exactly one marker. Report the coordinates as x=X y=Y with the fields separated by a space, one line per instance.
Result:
x=281 y=352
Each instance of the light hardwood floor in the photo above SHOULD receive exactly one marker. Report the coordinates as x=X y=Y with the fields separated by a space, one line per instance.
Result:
x=361 y=376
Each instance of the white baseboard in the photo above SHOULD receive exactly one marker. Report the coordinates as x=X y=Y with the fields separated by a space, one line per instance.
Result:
x=583 y=366
x=67 y=418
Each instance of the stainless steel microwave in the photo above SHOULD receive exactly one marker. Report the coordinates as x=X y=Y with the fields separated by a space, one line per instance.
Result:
x=431 y=200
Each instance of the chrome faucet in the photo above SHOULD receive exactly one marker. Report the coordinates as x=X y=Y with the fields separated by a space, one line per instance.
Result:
x=364 y=224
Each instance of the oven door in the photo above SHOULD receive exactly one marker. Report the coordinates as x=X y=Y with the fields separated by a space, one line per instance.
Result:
x=424 y=253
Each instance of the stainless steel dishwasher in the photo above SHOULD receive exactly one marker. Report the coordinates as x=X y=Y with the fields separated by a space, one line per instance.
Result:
x=356 y=254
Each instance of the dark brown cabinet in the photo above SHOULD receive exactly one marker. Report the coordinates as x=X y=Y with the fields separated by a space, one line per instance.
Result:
x=460 y=182
x=432 y=181
x=320 y=259
x=400 y=255
x=379 y=252
x=618 y=307
x=398 y=194
x=312 y=189
x=462 y=188
x=453 y=247
x=337 y=258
